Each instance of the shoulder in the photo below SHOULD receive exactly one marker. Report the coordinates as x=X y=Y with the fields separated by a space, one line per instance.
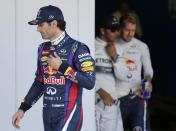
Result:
x=42 y=45
x=79 y=47
x=140 y=44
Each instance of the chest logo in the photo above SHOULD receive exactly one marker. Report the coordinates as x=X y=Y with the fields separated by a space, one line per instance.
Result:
x=44 y=58
x=51 y=91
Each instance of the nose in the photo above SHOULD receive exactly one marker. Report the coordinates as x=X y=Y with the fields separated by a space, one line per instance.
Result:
x=38 y=28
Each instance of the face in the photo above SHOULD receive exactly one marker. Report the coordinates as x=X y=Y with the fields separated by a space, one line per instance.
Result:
x=128 y=31
x=46 y=30
x=109 y=35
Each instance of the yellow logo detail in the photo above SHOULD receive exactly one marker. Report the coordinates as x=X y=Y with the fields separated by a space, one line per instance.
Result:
x=44 y=58
x=86 y=64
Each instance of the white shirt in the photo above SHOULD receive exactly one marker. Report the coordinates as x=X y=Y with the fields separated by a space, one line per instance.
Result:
x=106 y=81
x=58 y=39
x=134 y=55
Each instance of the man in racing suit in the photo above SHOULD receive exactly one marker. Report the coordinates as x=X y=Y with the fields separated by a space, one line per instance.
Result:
x=64 y=68
x=108 y=117
x=133 y=55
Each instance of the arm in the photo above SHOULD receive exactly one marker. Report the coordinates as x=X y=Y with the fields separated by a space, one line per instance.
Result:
x=32 y=96
x=36 y=90
x=148 y=70
x=120 y=69
x=106 y=97
x=146 y=62
x=83 y=74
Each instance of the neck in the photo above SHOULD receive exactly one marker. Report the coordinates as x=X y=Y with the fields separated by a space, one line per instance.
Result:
x=57 y=34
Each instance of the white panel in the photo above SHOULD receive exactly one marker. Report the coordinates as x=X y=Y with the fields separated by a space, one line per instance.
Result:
x=7 y=66
x=86 y=35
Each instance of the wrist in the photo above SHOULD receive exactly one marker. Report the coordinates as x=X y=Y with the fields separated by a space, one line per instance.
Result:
x=24 y=106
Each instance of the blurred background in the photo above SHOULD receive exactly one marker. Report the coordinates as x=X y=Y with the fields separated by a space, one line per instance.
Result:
x=158 y=25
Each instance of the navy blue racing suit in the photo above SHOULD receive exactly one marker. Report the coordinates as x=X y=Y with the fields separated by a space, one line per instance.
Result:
x=63 y=88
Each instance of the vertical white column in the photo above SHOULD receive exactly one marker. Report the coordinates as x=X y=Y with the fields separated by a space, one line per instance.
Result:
x=7 y=64
x=86 y=15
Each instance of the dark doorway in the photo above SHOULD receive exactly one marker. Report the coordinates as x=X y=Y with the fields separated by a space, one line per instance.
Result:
x=159 y=32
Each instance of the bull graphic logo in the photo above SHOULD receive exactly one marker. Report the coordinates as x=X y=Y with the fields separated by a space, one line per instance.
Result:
x=50 y=70
x=51 y=91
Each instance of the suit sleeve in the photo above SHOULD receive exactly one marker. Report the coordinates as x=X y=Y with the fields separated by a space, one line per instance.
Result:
x=36 y=90
x=146 y=62
x=84 y=73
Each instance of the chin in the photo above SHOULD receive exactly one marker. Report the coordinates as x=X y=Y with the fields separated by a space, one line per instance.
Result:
x=128 y=39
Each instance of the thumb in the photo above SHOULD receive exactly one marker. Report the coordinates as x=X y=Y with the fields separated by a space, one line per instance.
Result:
x=55 y=54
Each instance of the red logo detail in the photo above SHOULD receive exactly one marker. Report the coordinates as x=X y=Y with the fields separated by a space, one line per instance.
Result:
x=132 y=68
x=71 y=73
x=130 y=61
x=45 y=52
x=54 y=81
x=50 y=70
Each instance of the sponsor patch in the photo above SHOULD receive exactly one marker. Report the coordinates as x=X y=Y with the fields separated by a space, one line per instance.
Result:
x=83 y=55
x=51 y=90
x=44 y=64
x=50 y=70
x=87 y=63
x=54 y=81
x=90 y=68
x=44 y=58
x=129 y=61
x=69 y=72
x=83 y=59
x=45 y=52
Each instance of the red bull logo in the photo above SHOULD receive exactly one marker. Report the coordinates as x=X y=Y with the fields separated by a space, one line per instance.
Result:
x=129 y=61
x=69 y=72
x=50 y=70
x=54 y=81
x=132 y=68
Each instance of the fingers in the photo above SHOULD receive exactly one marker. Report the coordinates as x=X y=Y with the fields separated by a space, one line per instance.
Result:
x=17 y=117
x=108 y=102
x=53 y=55
x=16 y=121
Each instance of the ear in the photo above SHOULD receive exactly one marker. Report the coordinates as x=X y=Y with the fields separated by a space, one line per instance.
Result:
x=54 y=23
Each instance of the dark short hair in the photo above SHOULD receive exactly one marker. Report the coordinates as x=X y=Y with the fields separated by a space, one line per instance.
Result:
x=127 y=19
x=60 y=24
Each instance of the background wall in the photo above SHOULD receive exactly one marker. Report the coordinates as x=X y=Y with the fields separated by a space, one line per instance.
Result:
x=19 y=42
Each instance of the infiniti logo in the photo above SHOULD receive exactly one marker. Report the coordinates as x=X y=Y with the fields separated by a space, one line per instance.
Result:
x=51 y=91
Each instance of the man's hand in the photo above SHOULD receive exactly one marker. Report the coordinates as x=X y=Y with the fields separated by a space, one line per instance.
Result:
x=110 y=49
x=54 y=61
x=138 y=92
x=17 y=117
x=106 y=97
x=149 y=87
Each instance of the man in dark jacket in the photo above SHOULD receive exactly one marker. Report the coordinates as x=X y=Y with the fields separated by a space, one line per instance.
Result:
x=64 y=68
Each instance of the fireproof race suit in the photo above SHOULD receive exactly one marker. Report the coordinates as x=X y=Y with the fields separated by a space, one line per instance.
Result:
x=134 y=55
x=63 y=88
x=108 y=118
